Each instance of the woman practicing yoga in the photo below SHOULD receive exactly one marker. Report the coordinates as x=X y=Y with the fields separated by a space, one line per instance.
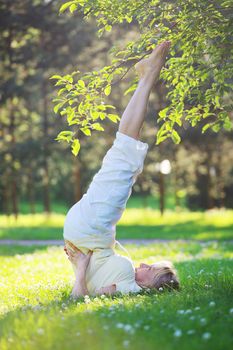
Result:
x=90 y=225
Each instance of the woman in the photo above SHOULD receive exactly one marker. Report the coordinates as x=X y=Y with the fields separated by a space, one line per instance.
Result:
x=90 y=225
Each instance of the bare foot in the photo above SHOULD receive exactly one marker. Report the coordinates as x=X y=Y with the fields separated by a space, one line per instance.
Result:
x=150 y=67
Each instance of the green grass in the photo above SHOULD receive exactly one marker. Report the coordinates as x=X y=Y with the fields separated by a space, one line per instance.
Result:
x=135 y=201
x=36 y=312
x=135 y=223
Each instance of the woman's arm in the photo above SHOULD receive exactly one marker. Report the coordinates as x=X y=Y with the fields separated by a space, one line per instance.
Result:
x=80 y=262
x=107 y=290
x=80 y=287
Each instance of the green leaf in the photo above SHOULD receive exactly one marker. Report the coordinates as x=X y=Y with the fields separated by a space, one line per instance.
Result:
x=216 y=127
x=80 y=108
x=161 y=133
x=217 y=103
x=94 y=115
x=64 y=135
x=131 y=88
x=163 y=113
x=69 y=87
x=73 y=7
x=97 y=126
x=113 y=117
x=175 y=136
x=110 y=106
x=102 y=115
x=206 y=127
x=75 y=147
x=227 y=124
x=128 y=19
x=108 y=28
x=107 y=90
x=86 y=131
x=65 y=6
x=56 y=77
x=161 y=139
x=81 y=83
x=58 y=106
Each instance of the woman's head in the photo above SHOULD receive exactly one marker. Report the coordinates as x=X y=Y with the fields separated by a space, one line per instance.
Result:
x=162 y=274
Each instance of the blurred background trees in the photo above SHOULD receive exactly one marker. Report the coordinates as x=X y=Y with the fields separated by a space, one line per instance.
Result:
x=39 y=174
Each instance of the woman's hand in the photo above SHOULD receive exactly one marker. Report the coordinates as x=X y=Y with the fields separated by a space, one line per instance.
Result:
x=76 y=257
x=107 y=290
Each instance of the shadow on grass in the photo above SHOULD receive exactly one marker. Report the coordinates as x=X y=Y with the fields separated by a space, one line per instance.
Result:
x=30 y=232
x=12 y=250
x=186 y=230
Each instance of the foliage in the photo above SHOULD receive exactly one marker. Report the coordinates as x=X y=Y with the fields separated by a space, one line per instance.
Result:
x=36 y=311
x=198 y=73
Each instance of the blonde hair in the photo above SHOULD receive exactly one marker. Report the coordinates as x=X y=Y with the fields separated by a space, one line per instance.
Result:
x=165 y=276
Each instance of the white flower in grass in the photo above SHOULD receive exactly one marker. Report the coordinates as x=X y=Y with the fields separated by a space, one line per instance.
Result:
x=119 y=325
x=160 y=289
x=40 y=331
x=192 y=318
x=191 y=331
x=103 y=296
x=137 y=324
x=96 y=299
x=78 y=334
x=206 y=336
x=197 y=308
x=129 y=329
x=212 y=304
x=146 y=327
x=189 y=311
x=203 y=321
x=177 y=333
x=126 y=343
x=105 y=327
x=231 y=310
x=181 y=312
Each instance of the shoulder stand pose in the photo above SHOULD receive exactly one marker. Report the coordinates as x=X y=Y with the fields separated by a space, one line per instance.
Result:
x=90 y=225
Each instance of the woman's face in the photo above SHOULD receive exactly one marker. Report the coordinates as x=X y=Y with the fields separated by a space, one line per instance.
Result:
x=144 y=275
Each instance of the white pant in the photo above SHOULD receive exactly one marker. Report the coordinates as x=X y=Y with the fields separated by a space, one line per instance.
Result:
x=91 y=222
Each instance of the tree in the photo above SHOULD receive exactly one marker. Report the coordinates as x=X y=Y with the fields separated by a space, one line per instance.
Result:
x=198 y=73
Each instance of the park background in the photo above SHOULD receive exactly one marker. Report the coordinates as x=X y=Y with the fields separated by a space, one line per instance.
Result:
x=183 y=198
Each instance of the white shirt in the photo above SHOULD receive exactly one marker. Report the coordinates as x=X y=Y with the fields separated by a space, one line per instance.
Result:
x=107 y=268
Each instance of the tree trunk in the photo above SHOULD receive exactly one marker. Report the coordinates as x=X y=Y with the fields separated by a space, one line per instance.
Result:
x=209 y=198
x=13 y=171
x=161 y=193
x=31 y=192
x=46 y=180
x=77 y=180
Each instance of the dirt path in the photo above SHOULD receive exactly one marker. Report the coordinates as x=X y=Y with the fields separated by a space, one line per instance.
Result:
x=123 y=241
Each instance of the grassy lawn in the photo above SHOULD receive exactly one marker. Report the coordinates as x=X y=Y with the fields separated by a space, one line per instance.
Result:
x=135 y=223
x=36 y=312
